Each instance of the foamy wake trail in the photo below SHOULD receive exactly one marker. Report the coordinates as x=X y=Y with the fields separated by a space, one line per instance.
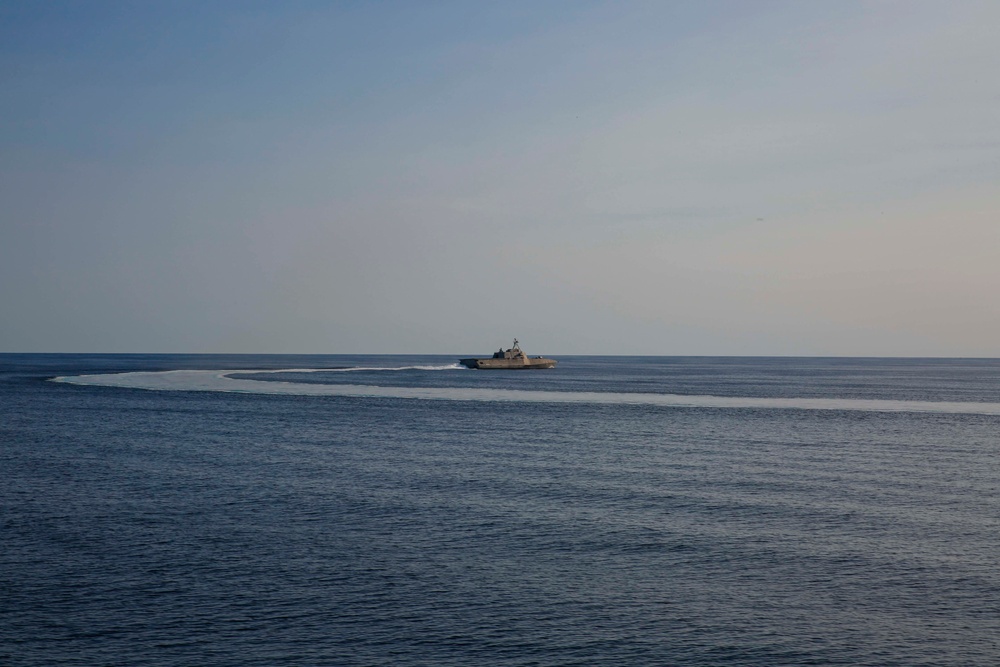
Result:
x=214 y=380
x=350 y=369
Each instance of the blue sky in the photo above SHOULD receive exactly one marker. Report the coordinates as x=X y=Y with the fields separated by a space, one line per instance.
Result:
x=777 y=178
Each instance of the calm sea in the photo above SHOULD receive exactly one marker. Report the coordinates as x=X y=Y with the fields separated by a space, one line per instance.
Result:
x=398 y=510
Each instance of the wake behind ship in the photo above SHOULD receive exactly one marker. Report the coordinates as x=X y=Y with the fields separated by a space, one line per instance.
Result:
x=511 y=359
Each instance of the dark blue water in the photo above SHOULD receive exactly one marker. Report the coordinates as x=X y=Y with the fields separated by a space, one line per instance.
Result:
x=176 y=527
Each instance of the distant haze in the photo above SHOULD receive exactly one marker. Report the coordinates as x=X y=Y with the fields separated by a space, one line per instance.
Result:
x=747 y=178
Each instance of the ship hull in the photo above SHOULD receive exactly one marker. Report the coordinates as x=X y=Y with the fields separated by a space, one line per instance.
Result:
x=508 y=364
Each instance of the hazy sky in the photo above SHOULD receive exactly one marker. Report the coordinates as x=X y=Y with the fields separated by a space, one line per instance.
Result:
x=778 y=178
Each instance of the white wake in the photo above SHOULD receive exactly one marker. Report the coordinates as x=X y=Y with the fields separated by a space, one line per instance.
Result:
x=217 y=380
x=354 y=369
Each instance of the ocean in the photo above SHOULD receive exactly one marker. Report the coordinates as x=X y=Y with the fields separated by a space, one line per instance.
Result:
x=401 y=510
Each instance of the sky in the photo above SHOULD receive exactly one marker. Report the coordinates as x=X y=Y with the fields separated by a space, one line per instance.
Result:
x=662 y=178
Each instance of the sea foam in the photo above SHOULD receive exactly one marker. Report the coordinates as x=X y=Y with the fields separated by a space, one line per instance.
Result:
x=219 y=380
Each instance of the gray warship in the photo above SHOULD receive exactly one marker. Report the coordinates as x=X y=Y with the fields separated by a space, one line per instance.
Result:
x=511 y=359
